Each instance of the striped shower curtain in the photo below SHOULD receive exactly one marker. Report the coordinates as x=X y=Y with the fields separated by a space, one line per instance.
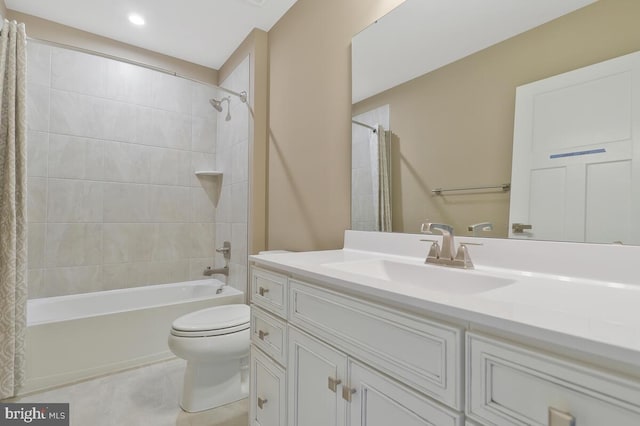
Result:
x=13 y=209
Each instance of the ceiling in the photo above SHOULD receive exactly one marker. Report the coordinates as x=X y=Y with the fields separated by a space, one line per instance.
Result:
x=204 y=32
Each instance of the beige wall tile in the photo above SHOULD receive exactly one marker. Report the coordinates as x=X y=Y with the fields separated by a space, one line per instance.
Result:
x=74 y=201
x=73 y=244
x=36 y=199
x=125 y=275
x=35 y=245
x=127 y=242
x=168 y=271
x=124 y=202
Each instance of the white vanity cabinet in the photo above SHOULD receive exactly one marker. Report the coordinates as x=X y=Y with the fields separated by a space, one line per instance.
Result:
x=348 y=361
x=268 y=387
x=324 y=357
x=508 y=384
x=329 y=388
x=268 y=391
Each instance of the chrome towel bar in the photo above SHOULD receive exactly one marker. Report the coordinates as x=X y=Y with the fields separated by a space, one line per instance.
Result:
x=503 y=187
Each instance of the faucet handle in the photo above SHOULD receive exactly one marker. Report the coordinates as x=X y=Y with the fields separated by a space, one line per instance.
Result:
x=226 y=247
x=462 y=258
x=434 y=250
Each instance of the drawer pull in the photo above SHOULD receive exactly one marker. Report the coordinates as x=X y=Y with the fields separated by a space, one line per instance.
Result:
x=261 y=402
x=333 y=384
x=347 y=392
x=262 y=291
x=559 y=418
x=262 y=334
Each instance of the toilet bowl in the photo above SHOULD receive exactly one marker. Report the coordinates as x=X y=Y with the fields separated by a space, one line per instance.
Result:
x=215 y=344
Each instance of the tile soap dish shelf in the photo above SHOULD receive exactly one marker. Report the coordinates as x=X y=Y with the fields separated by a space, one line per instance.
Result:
x=208 y=173
x=211 y=183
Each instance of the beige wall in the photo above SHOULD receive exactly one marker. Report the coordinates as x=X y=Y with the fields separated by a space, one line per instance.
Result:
x=466 y=110
x=309 y=116
x=50 y=31
x=454 y=127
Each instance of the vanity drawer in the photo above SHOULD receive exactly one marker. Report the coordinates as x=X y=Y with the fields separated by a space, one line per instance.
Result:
x=269 y=291
x=269 y=334
x=511 y=385
x=415 y=351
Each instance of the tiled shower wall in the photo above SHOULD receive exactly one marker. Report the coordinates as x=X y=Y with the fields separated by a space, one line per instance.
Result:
x=232 y=159
x=113 y=200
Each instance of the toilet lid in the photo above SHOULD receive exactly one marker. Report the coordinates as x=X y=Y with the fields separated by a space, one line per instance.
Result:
x=226 y=318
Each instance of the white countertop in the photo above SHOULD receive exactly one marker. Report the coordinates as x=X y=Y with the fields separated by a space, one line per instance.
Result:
x=594 y=316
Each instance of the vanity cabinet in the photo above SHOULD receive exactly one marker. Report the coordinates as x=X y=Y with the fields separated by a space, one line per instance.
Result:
x=424 y=354
x=329 y=388
x=333 y=359
x=268 y=384
x=347 y=361
x=512 y=385
x=268 y=391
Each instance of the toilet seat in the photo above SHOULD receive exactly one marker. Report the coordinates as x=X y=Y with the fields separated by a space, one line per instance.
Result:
x=216 y=321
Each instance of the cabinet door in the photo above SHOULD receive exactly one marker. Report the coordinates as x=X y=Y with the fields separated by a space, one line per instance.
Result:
x=377 y=400
x=315 y=373
x=268 y=391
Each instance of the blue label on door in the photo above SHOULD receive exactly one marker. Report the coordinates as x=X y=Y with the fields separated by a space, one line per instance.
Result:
x=577 y=153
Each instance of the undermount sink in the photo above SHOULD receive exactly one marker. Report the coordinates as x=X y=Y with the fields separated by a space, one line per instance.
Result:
x=437 y=278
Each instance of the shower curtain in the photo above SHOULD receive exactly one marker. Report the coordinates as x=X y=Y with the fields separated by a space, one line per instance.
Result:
x=13 y=209
x=384 y=179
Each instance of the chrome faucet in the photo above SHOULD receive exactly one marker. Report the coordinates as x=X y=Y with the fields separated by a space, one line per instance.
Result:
x=226 y=252
x=483 y=226
x=448 y=247
x=448 y=255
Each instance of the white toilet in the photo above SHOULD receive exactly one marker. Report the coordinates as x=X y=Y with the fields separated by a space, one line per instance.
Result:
x=215 y=343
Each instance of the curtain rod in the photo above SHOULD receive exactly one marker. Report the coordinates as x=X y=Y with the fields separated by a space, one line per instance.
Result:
x=364 y=125
x=130 y=62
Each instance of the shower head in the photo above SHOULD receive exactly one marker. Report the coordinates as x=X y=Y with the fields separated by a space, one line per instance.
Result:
x=216 y=104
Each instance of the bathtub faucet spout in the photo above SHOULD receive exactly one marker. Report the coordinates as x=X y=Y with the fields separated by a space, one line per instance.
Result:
x=216 y=271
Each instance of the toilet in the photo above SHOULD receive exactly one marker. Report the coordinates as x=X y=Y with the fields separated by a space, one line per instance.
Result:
x=215 y=344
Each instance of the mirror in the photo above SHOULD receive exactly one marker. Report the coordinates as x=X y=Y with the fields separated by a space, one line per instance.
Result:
x=449 y=91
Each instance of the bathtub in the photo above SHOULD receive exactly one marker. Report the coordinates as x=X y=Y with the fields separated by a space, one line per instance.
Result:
x=72 y=338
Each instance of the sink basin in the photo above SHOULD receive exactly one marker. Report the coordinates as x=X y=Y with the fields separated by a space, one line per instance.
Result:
x=432 y=277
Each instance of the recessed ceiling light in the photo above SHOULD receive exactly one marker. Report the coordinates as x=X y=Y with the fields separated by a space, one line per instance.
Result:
x=136 y=19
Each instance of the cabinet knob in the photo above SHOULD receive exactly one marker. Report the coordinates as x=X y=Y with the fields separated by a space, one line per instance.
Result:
x=560 y=418
x=262 y=291
x=347 y=392
x=262 y=334
x=261 y=402
x=333 y=384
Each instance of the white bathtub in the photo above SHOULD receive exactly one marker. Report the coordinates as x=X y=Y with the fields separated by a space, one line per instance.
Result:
x=71 y=338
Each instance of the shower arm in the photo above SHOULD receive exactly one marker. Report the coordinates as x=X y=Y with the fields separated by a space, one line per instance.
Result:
x=242 y=95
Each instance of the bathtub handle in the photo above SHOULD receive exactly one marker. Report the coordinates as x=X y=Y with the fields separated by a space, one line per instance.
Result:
x=261 y=402
x=262 y=334
x=262 y=291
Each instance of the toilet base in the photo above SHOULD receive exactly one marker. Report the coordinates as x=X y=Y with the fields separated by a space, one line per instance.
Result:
x=211 y=385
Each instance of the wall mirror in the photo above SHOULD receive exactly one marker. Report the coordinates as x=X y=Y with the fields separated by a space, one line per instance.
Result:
x=440 y=79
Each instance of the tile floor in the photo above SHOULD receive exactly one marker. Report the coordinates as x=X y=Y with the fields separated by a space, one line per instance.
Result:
x=146 y=396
